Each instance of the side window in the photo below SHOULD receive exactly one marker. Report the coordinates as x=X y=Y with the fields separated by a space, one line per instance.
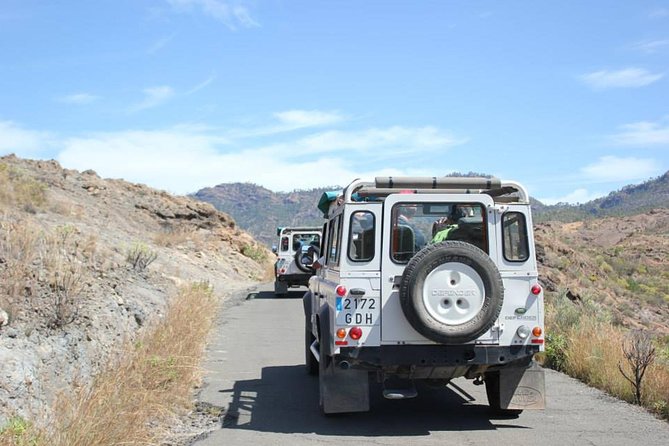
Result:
x=514 y=242
x=361 y=236
x=297 y=242
x=333 y=241
x=284 y=244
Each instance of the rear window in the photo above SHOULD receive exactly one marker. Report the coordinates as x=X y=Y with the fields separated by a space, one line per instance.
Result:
x=415 y=225
x=515 y=241
x=300 y=240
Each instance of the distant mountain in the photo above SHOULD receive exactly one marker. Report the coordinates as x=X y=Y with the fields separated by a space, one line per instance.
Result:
x=630 y=200
x=260 y=211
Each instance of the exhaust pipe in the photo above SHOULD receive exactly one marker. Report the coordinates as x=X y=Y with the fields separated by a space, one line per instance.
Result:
x=344 y=365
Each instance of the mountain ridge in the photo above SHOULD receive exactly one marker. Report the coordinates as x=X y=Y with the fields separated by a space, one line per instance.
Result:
x=260 y=210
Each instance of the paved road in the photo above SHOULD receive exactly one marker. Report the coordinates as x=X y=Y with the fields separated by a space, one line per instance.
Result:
x=255 y=372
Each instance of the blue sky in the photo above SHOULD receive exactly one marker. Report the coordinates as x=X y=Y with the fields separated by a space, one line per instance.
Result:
x=571 y=98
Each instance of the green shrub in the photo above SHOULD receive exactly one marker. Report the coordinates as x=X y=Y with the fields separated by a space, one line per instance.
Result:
x=556 y=351
x=140 y=256
x=254 y=252
x=19 y=432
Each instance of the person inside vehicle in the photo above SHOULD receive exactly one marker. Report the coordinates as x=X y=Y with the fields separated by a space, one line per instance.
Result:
x=362 y=235
x=442 y=228
x=406 y=217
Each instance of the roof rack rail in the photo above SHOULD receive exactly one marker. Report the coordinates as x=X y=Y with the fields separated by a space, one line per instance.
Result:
x=291 y=229
x=384 y=186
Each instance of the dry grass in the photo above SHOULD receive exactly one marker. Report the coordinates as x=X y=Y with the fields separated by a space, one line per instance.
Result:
x=179 y=236
x=43 y=271
x=134 y=399
x=584 y=344
x=19 y=189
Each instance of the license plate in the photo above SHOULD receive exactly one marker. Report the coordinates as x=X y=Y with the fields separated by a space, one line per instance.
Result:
x=358 y=310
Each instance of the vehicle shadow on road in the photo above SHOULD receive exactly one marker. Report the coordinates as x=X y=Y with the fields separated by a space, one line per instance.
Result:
x=294 y=294
x=285 y=400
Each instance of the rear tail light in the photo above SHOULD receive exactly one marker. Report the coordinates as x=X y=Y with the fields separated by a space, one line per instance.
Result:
x=536 y=289
x=355 y=333
x=341 y=290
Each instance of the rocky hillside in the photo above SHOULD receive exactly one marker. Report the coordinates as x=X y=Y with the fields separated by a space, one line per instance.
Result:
x=629 y=200
x=619 y=264
x=260 y=211
x=87 y=264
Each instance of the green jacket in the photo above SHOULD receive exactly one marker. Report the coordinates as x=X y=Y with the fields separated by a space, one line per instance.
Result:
x=443 y=234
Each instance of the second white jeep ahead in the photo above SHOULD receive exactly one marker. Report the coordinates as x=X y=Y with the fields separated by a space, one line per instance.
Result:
x=426 y=279
x=296 y=252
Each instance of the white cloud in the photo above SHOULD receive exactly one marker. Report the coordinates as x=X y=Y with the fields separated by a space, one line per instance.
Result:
x=643 y=134
x=659 y=13
x=626 y=78
x=288 y=121
x=205 y=83
x=243 y=16
x=231 y=16
x=307 y=118
x=391 y=139
x=22 y=142
x=613 y=168
x=153 y=97
x=187 y=157
x=651 y=46
x=79 y=98
x=183 y=161
x=160 y=44
x=578 y=196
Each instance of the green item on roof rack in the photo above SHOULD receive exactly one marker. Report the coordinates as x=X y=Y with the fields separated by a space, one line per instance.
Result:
x=327 y=198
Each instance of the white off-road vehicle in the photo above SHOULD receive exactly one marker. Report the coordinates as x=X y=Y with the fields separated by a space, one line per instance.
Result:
x=297 y=249
x=426 y=279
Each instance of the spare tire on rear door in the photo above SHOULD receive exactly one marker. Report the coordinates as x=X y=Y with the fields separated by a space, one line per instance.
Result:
x=451 y=292
x=304 y=259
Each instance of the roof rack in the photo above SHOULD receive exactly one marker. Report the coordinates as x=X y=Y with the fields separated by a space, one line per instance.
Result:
x=499 y=190
x=291 y=229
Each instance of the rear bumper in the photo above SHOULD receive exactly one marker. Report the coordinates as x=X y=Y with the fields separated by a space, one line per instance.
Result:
x=433 y=361
x=294 y=279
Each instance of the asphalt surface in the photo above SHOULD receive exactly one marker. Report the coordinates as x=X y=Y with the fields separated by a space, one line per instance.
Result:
x=255 y=373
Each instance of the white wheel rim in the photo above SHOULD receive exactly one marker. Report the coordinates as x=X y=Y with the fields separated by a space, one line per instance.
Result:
x=453 y=293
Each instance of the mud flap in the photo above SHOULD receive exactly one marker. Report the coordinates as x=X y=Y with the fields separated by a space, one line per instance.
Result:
x=280 y=288
x=342 y=390
x=522 y=389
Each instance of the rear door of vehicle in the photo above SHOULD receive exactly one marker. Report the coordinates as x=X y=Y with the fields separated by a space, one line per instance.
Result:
x=395 y=328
